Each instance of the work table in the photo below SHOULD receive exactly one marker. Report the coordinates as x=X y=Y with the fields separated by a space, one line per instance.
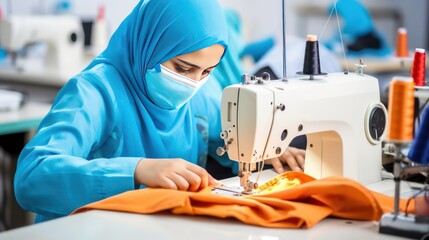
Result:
x=114 y=225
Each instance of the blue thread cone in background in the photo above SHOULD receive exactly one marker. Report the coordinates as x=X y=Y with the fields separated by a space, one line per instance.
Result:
x=419 y=152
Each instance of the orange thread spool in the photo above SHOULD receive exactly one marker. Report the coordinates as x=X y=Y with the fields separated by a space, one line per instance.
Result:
x=401 y=110
x=402 y=43
x=419 y=67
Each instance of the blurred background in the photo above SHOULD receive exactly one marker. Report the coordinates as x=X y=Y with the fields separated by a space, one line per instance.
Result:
x=264 y=17
x=369 y=29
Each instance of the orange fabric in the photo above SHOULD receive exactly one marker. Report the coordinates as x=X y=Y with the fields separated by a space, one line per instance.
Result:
x=296 y=207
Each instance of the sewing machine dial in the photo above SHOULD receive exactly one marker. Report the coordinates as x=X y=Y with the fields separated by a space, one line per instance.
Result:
x=375 y=122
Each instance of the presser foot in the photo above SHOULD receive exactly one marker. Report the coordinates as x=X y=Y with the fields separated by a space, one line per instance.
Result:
x=405 y=226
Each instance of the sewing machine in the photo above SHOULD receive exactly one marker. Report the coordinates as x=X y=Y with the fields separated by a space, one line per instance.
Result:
x=63 y=36
x=340 y=113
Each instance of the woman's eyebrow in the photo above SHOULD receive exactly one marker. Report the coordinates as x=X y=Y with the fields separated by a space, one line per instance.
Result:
x=192 y=65
x=188 y=63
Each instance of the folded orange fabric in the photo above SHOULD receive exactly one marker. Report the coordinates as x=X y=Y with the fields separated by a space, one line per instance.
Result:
x=299 y=206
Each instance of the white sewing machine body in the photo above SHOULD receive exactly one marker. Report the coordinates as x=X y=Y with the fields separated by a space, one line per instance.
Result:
x=63 y=36
x=338 y=113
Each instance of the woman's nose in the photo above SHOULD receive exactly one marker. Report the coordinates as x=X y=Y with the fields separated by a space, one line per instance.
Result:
x=196 y=76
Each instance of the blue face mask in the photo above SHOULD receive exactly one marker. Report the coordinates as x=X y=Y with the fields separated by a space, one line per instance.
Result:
x=170 y=90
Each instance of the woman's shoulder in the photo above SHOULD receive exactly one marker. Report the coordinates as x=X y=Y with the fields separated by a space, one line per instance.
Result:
x=100 y=75
x=94 y=84
x=100 y=78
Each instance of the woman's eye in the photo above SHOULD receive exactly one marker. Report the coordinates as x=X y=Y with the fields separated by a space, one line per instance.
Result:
x=206 y=72
x=181 y=69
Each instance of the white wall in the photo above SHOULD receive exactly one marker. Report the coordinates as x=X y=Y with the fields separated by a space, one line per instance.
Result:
x=260 y=17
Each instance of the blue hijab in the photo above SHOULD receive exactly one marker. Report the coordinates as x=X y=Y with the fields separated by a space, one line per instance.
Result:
x=229 y=70
x=156 y=31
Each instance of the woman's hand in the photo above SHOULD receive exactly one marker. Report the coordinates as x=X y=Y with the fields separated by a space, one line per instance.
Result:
x=172 y=174
x=293 y=157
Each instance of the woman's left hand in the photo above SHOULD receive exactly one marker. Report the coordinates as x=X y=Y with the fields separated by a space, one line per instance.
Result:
x=293 y=157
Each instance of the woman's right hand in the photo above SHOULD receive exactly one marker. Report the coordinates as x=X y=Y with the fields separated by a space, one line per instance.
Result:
x=175 y=174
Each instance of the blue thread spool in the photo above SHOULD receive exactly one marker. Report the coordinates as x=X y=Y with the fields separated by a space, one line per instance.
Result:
x=419 y=151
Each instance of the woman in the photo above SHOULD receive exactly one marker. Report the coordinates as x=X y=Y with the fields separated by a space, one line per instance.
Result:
x=131 y=119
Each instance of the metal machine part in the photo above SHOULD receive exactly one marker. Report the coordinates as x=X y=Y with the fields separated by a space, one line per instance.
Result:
x=397 y=223
x=403 y=225
x=360 y=67
x=244 y=172
x=229 y=191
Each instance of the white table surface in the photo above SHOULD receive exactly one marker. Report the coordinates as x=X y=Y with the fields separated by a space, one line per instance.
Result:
x=26 y=118
x=105 y=225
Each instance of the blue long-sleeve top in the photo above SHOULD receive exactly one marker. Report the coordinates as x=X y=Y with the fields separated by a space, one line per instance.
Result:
x=80 y=153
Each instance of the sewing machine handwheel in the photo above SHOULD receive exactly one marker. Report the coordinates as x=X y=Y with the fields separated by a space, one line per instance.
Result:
x=375 y=122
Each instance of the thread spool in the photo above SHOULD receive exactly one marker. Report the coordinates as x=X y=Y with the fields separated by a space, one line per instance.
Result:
x=402 y=43
x=311 y=58
x=419 y=151
x=401 y=110
x=99 y=38
x=419 y=67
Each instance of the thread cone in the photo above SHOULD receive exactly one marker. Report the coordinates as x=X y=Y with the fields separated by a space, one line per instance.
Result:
x=418 y=70
x=402 y=43
x=401 y=110
x=311 y=58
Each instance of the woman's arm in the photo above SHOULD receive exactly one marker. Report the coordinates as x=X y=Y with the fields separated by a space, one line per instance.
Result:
x=54 y=175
